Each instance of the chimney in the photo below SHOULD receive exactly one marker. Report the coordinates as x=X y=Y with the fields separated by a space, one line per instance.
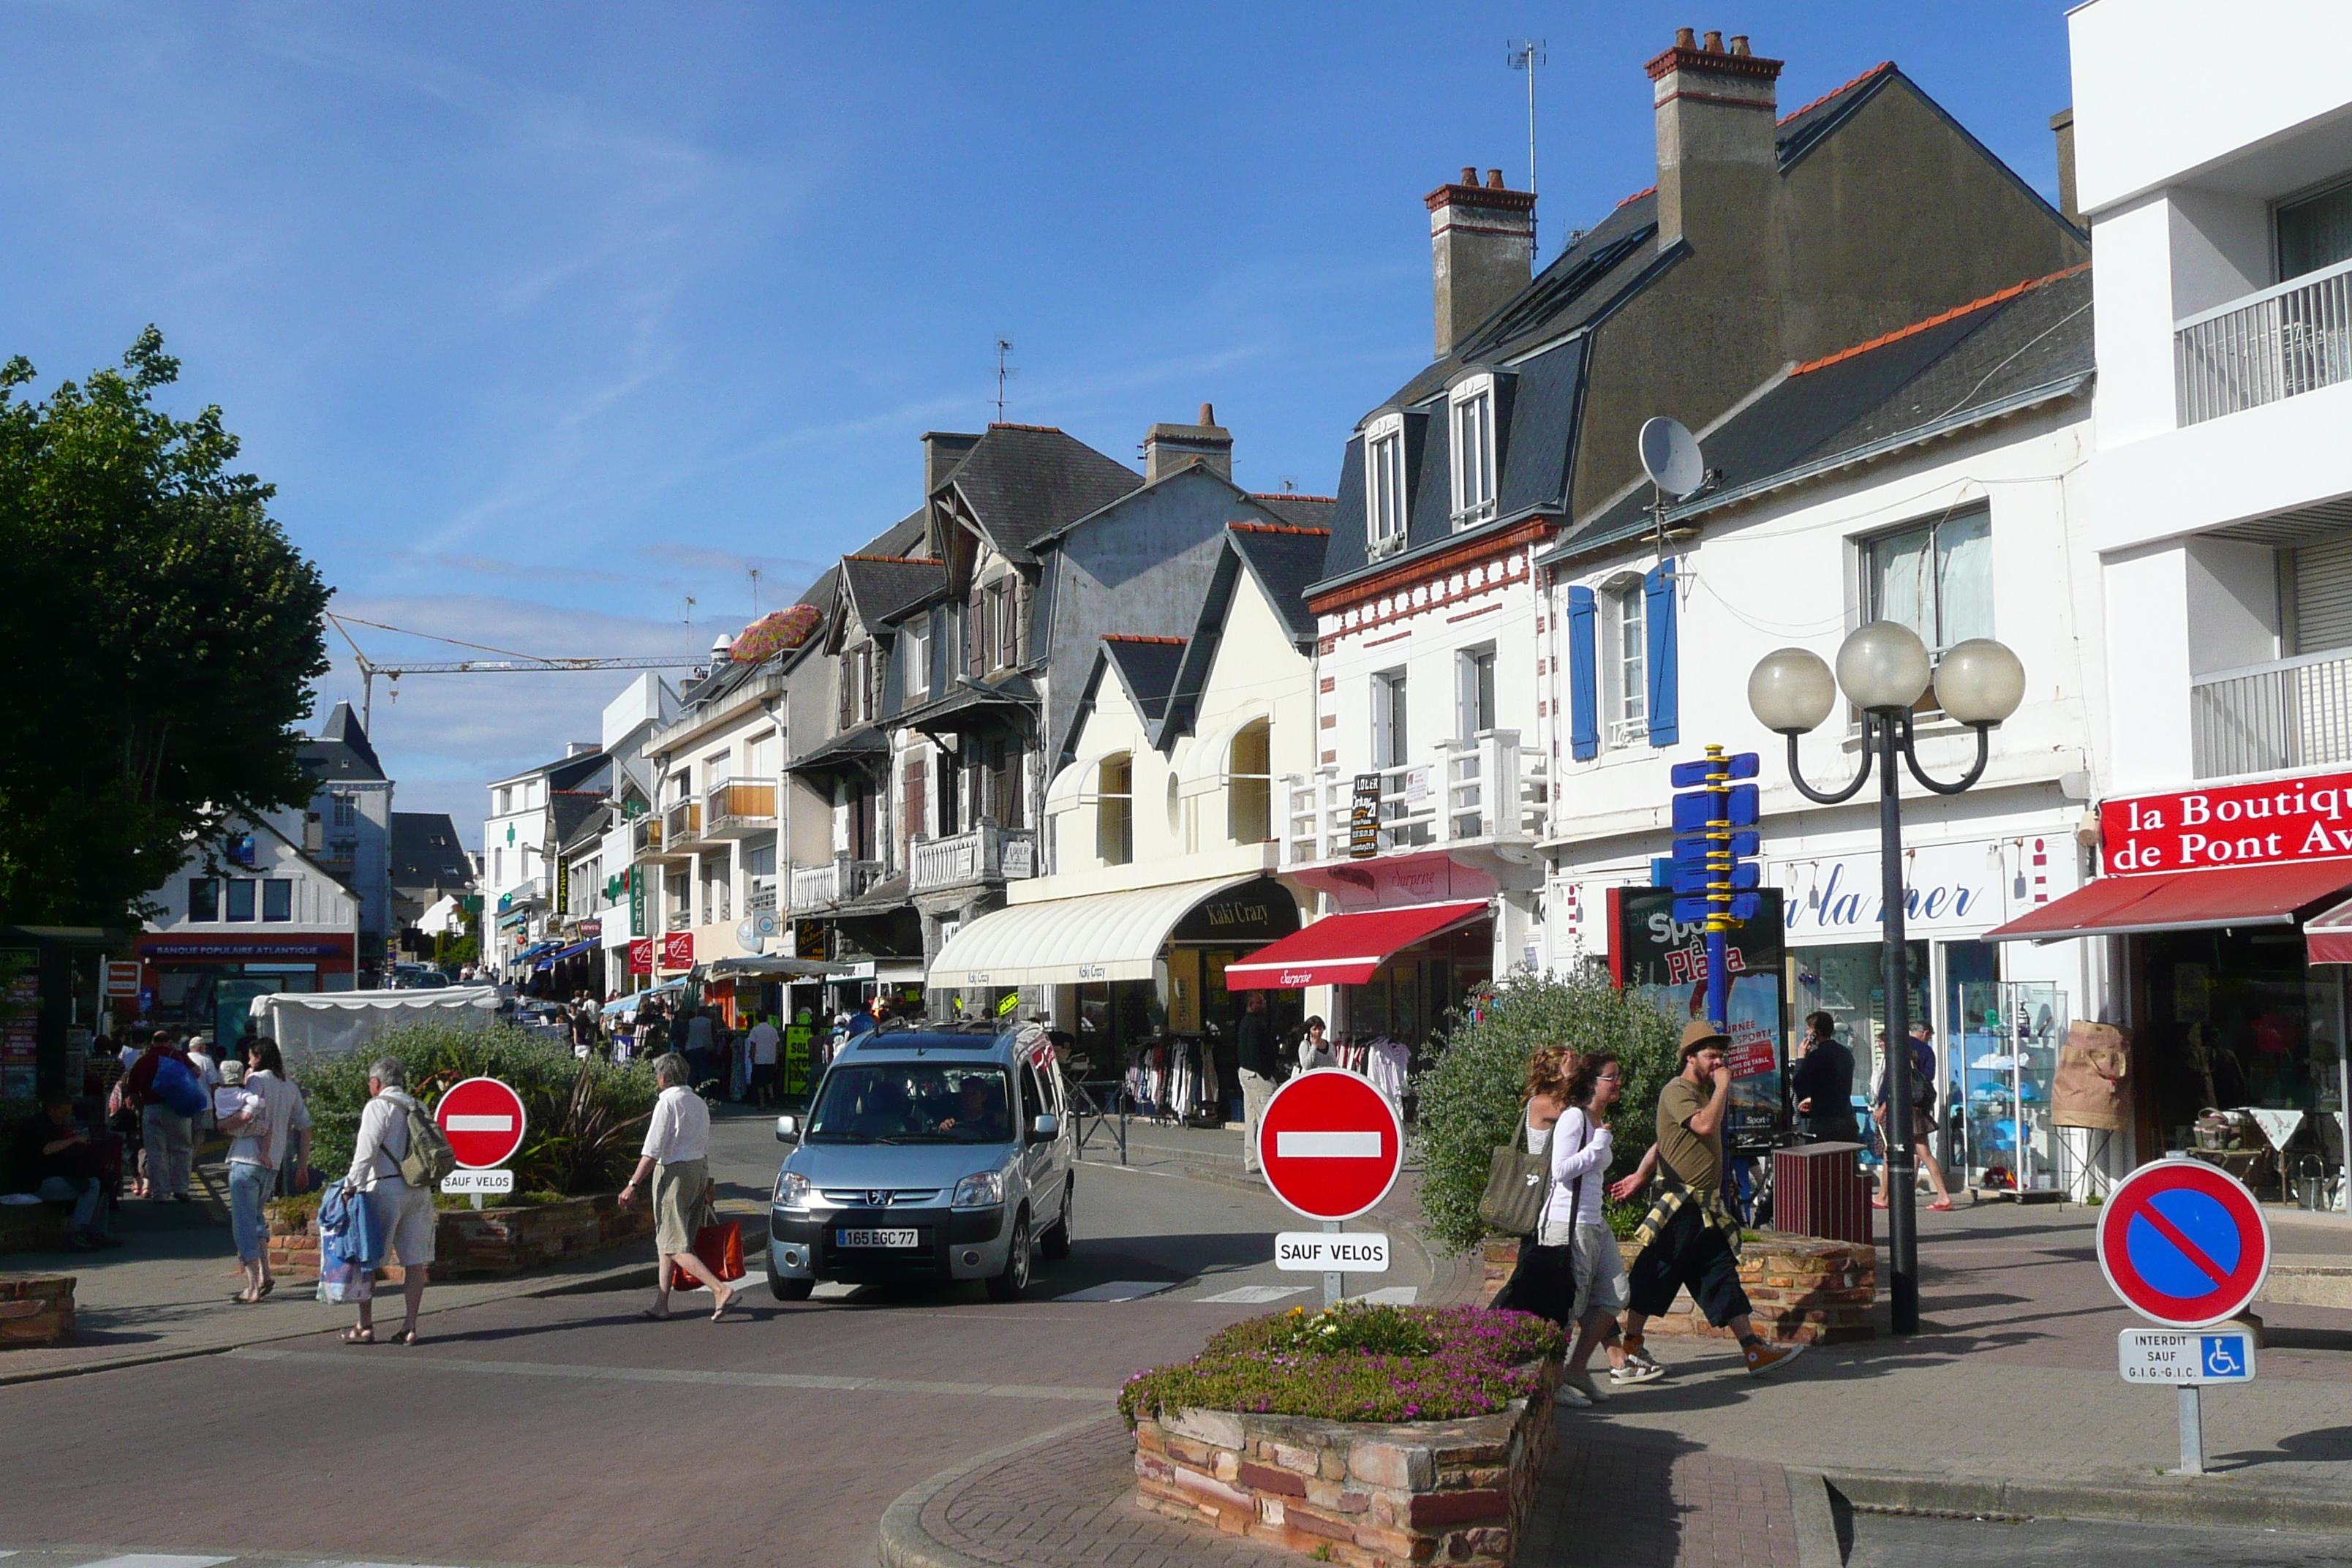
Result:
x=942 y=450
x=1717 y=166
x=2070 y=204
x=1168 y=448
x=582 y=748
x=1482 y=250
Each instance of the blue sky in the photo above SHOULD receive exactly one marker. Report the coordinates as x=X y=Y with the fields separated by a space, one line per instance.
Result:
x=545 y=317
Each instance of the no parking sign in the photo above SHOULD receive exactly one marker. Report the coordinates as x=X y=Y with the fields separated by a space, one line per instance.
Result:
x=2184 y=1244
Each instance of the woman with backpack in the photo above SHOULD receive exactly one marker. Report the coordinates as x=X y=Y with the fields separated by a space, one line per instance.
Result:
x=398 y=1158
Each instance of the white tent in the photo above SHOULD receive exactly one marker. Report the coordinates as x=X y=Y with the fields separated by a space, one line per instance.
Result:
x=315 y=1024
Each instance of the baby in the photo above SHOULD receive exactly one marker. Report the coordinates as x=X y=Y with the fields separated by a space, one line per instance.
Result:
x=237 y=1109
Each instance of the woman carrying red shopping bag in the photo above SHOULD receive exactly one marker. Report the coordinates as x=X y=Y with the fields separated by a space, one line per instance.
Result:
x=676 y=1157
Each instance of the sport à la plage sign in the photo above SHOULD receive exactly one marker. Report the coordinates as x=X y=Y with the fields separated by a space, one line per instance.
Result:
x=2271 y=823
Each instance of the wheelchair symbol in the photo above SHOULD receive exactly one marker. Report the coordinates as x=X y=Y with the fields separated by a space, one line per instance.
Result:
x=2221 y=1358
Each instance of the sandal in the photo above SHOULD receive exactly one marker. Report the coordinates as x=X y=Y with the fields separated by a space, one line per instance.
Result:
x=405 y=1337
x=267 y=1287
x=1942 y=1205
x=1878 y=1203
x=653 y=1315
x=719 y=1313
x=358 y=1336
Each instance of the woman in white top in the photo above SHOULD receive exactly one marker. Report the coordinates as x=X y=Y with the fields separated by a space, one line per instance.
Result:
x=677 y=1155
x=404 y=1215
x=1582 y=1148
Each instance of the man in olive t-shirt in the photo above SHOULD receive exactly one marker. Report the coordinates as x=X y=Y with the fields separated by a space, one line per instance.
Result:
x=1695 y=1245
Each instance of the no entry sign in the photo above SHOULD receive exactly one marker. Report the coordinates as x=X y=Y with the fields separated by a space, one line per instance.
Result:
x=1330 y=1144
x=483 y=1121
x=2183 y=1244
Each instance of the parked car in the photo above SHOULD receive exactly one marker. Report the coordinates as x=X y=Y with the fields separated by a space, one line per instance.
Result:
x=926 y=1154
x=418 y=977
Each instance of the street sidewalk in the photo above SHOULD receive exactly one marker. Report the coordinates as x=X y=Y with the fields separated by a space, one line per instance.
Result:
x=2007 y=1402
x=164 y=1294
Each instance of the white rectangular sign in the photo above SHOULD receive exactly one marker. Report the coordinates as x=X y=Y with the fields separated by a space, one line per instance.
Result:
x=1328 y=1145
x=478 y=1181
x=2193 y=1356
x=1329 y=1252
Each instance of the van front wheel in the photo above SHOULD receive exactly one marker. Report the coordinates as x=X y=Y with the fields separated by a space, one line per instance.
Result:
x=1008 y=1285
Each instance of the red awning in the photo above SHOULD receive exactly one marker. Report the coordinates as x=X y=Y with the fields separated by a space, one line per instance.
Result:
x=1344 y=950
x=2183 y=900
x=2328 y=936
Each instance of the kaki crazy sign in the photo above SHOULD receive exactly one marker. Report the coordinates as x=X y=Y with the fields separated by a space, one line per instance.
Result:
x=2271 y=823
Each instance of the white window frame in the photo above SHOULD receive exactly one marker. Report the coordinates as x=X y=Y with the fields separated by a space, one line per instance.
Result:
x=1624 y=670
x=1872 y=572
x=1470 y=413
x=1387 y=508
x=1392 y=697
x=1468 y=663
x=917 y=641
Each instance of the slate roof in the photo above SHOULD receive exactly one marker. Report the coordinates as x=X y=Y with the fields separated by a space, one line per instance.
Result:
x=1540 y=389
x=1022 y=482
x=882 y=588
x=1299 y=511
x=571 y=808
x=1285 y=560
x=341 y=750
x=426 y=851
x=857 y=747
x=1147 y=668
x=2024 y=345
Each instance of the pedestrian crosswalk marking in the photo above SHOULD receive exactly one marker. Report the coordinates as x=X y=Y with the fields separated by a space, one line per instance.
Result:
x=154 y=1559
x=1254 y=1295
x=1119 y=1290
x=1391 y=1296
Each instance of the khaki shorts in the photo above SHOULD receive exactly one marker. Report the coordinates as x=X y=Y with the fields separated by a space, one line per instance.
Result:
x=1600 y=1284
x=404 y=1218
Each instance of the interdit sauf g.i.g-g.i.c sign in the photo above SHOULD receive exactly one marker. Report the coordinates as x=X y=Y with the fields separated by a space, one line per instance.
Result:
x=2270 y=823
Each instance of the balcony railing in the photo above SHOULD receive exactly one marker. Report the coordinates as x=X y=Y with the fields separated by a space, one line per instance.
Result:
x=986 y=853
x=735 y=808
x=760 y=897
x=644 y=837
x=837 y=881
x=2280 y=343
x=1481 y=789
x=2293 y=713
x=682 y=824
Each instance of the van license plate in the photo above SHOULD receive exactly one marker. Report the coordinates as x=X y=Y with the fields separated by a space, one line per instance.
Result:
x=876 y=1238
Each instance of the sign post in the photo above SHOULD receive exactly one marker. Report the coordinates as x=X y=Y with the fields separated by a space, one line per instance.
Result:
x=484 y=1121
x=1331 y=1145
x=2186 y=1247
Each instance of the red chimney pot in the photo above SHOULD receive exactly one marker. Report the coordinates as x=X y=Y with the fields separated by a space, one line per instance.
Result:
x=1714 y=41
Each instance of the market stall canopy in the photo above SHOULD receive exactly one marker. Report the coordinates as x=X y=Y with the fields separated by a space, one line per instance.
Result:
x=1346 y=948
x=2182 y=900
x=307 y=1024
x=776 y=964
x=1071 y=942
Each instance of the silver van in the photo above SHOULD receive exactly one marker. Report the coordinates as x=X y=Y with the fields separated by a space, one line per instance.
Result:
x=926 y=1154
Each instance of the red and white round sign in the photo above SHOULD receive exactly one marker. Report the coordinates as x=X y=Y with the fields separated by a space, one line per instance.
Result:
x=2183 y=1244
x=483 y=1121
x=1330 y=1144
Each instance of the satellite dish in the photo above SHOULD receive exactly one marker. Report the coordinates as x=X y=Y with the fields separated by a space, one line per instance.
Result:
x=1670 y=457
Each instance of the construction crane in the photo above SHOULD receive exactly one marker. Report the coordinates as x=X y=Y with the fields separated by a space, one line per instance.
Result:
x=508 y=662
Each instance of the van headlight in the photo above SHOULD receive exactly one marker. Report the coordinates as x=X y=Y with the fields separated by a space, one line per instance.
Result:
x=791 y=1190
x=982 y=1189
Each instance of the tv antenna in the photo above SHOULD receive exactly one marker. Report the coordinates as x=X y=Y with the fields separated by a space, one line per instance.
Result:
x=1004 y=347
x=754 y=570
x=1526 y=55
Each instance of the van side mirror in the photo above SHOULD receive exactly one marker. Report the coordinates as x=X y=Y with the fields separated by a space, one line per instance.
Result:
x=788 y=1129
x=1045 y=1127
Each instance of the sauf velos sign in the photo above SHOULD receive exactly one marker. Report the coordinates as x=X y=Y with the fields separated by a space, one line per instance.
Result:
x=2234 y=825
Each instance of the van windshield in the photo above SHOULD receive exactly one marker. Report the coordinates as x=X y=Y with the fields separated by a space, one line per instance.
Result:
x=912 y=1102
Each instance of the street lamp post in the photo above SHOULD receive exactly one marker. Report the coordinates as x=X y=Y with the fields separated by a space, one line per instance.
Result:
x=1884 y=670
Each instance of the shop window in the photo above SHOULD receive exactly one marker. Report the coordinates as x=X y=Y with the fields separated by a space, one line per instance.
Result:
x=1114 y=812
x=203 y=898
x=278 y=899
x=240 y=901
x=1249 y=788
x=1936 y=578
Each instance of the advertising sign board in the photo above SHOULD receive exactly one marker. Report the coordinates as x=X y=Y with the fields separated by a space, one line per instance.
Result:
x=1650 y=948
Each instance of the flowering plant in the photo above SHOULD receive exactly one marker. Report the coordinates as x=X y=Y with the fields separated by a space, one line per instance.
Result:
x=773 y=633
x=1356 y=1362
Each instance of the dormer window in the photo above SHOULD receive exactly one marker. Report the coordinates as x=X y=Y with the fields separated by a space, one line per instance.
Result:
x=1384 y=497
x=1473 y=432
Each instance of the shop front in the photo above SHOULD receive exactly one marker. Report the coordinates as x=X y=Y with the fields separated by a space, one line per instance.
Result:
x=1142 y=979
x=207 y=982
x=2219 y=907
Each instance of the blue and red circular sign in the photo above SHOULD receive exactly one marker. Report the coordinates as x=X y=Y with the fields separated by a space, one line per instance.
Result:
x=2184 y=1244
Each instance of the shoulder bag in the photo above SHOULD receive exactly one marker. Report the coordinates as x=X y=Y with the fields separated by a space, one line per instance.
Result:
x=1517 y=1184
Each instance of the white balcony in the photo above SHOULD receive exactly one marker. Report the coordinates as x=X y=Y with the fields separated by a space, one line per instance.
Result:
x=1482 y=790
x=2273 y=718
x=738 y=809
x=760 y=898
x=2280 y=343
x=837 y=881
x=986 y=853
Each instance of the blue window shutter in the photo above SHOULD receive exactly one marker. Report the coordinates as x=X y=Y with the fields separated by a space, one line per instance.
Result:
x=1583 y=706
x=1658 y=616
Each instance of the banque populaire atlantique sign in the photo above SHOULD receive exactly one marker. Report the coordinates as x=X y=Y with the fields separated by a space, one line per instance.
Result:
x=2271 y=823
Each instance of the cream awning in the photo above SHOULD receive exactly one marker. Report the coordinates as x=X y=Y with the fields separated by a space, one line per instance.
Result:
x=1071 y=942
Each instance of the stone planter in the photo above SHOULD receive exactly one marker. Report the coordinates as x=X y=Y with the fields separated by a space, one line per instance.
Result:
x=36 y=1310
x=490 y=1241
x=1369 y=1494
x=1801 y=1288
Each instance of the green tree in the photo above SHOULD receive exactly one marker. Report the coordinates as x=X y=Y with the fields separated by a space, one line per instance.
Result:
x=161 y=637
x=1469 y=1098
